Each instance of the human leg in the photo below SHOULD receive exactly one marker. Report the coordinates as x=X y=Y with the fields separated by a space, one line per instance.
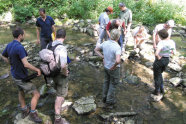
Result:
x=106 y=84
x=114 y=80
x=61 y=85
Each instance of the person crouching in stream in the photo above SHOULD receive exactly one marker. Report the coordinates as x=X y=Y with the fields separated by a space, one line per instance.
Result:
x=111 y=58
x=165 y=48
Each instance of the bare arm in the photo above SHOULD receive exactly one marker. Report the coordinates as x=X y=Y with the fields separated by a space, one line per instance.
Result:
x=29 y=66
x=157 y=54
x=128 y=26
x=97 y=51
x=118 y=60
x=38 y=34
x=108 y=33
x=4 y=58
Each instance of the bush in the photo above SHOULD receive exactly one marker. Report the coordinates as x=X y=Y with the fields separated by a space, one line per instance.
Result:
x=143 y=10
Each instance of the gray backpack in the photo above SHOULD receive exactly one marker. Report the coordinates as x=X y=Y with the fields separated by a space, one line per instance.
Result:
x=48 y=65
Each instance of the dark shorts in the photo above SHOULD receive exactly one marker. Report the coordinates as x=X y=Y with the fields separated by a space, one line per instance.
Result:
x=61 y=85
x=26 y=87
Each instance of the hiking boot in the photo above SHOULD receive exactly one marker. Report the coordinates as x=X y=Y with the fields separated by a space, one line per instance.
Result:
x=34 y=117
x=25 y=113
x=61 y=121
x=104 y=100
x=108 y=106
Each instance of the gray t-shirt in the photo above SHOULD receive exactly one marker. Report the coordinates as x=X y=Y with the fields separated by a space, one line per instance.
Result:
x=110 y=50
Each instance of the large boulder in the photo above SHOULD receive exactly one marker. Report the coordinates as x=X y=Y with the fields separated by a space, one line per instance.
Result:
x=175 y=81
x=85 y=105
x=18 y=119
x=175 y=67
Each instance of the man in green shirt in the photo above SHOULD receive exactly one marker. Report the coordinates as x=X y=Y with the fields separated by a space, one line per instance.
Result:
x=126 y=16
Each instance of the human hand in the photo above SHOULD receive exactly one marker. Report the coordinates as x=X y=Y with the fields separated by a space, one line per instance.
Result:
x=38 y=72
x=38 y=42
x=113 y=68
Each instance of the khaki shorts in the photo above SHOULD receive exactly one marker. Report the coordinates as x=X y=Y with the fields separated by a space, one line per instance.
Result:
x=26 y=87
x=61 y=85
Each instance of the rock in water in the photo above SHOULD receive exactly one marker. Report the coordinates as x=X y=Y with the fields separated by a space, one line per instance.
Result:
x=175 y=81
x=43 y=89
x=18 y=120
x=130 y=122
x=118 y=114
x=149 y=64
x=4 y=76
x=85 y=105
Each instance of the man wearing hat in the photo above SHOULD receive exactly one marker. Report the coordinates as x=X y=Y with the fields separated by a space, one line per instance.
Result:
x=126 y=17
x=103 y=21
x=167 y=26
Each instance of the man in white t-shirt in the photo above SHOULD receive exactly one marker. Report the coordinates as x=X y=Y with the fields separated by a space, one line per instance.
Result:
x=167 y=26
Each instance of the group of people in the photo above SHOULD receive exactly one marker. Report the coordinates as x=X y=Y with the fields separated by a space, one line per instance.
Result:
x=114 y=33
x=16 y=55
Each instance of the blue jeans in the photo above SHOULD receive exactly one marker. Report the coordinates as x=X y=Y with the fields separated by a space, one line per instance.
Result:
x=122 y=41
x=158 y=68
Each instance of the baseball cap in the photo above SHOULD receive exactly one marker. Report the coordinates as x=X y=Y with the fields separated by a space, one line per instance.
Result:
x=122 y=5
x=170 y=23
x=110 y=9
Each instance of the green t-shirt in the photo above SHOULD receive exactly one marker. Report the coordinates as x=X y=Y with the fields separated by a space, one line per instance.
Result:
x=126 y=16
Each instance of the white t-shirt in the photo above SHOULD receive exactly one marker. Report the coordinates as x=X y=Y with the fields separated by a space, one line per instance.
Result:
x=166 y=46
x=160 y=27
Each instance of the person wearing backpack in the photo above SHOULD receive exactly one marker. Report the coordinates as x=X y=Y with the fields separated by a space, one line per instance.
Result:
x=16 y=55
x=60 y=78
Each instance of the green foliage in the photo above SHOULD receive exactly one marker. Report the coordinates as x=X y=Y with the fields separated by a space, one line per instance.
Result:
x=4 y=5
x=143 y=10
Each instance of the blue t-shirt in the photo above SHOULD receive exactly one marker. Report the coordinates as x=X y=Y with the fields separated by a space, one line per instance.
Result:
x=46 y=26
x=16 y=52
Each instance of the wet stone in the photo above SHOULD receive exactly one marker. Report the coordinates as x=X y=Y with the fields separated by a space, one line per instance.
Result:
x=149 y=64
x=130 y=122
x=18 y=120
x=132 y=79
x=175 y=81
x=85 y=105
x=117 y=114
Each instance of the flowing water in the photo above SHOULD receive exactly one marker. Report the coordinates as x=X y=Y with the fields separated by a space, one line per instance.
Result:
x=87 y=80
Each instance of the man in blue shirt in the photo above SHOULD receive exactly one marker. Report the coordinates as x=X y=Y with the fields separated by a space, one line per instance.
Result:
x=16 y=55
x=45 y=27
x=103 y=21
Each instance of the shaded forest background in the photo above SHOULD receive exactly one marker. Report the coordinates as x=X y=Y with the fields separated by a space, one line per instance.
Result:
x=148 y=12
